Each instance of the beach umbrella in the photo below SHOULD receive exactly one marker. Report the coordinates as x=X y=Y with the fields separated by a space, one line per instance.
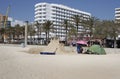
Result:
x=96 y=49
x=82 y=42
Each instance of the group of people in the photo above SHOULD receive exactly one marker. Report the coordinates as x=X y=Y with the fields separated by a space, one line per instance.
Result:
x=80 y=48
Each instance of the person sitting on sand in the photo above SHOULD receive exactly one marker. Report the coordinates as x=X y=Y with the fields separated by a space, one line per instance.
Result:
x=81 y=50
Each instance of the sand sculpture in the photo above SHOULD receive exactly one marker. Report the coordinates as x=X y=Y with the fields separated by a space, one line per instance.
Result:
x=54 y=46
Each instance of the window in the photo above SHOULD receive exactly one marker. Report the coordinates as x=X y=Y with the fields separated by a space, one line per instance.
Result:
x=44 y=12
x=117 y=16
x=44 y=5
x=118 y=13
x=53 y=7
x=40 y=9
x=40 y=5
x=117 y=9
x=40 y=16
x=44 y=9
x=39 y=20
x=44 y=16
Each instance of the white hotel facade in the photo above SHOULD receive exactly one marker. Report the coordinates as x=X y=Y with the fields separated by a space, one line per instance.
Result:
x=57 y=14
x=117 y=17
x=117 y=13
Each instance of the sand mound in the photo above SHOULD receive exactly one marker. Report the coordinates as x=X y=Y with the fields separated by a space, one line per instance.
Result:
x=53 y=46
x=35 y=50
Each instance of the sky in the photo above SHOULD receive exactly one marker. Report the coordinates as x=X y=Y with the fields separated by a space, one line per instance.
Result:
x=24 y=9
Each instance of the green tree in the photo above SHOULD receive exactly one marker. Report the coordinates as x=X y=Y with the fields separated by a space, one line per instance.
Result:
x=6 y=32
x=112 y=30
x=2 y=30
x=77 y=20
x=90 y=24
x=39 y=29
x=66 y=25
x=9 y=32
x=19 y=32
x=107 y=29
x=72 y=32
x=31 y=32
x=98 y=30
x=47 y=26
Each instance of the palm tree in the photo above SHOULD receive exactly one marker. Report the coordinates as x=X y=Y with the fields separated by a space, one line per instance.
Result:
x=112 y=30
x=90 y=24
x=77 y=19
x=66 y=25
x=19 y=32
x=117 y=21
x=46 y=27
x=115 y=30
x=31 y=31
x=5 y=33
x=2 y=31
x=105 y=29
x=22 y=31
x=98 y=30
x=38 y=26
x=72 y=32
x=8 y=32
x=12 y=33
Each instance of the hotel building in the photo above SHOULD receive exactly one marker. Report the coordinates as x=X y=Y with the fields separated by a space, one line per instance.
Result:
x=117 y=17
x=57 y=13
x=117 y=13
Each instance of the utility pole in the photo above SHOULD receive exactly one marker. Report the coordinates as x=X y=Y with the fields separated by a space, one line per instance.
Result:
x=26 y=25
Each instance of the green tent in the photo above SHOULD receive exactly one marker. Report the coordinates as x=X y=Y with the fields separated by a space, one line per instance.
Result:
x=96 y=49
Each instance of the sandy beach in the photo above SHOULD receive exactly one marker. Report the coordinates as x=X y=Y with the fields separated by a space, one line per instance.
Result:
x=15 y=63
